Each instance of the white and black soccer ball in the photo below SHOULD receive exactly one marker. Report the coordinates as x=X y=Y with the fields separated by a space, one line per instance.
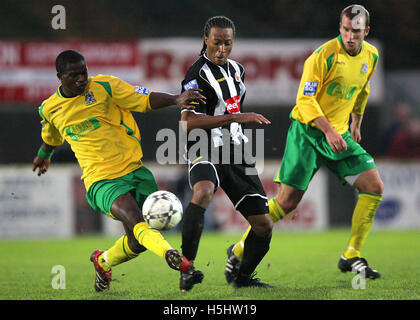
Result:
x=162 y=210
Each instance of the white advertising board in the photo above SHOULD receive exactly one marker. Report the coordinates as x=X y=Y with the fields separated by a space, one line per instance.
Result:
x=311 y=214
x=400 y=206
x=32 y=206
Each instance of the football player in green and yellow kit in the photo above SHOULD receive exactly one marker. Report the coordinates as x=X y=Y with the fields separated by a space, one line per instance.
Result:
x=94 y=116
x=334 y=85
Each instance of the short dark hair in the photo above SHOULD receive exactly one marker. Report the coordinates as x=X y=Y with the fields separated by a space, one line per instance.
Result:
x=66 y=57
x=354 y=10
x=216 y=22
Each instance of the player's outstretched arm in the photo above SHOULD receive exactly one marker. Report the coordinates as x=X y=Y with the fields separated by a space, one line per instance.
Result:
x=42 y=159
x=160 y=99
x=202 y=121
x=248 y=117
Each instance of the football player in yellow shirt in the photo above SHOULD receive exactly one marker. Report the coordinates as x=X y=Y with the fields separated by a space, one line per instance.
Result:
x=334 y=84
x=94 y=116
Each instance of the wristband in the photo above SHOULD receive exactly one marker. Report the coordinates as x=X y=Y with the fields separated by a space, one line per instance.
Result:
x=44 y=155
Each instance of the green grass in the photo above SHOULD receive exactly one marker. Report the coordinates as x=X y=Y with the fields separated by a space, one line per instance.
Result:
x=300 y=265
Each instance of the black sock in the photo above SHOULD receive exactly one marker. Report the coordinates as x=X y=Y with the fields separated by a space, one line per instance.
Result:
x=192 y=227
x=255 y=248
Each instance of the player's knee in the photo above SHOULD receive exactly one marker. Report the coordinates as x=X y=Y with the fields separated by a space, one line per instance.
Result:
x=378 y=187
x=203 y=195
x=370 y=182
x=262 y=226
x=288 y=198
x=375 y=186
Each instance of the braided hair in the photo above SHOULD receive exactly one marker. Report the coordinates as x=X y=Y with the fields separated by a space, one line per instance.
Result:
x=216 y=22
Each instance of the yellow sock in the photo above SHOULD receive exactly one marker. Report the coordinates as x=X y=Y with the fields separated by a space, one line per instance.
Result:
x=151 y=239
x=362 y=221
x=238 y=249
x=120 y=252
x=276 y=213
x=102 y=262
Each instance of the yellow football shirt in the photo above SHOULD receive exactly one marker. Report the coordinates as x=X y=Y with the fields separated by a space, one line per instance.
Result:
x=335 y=84
x=99 y=126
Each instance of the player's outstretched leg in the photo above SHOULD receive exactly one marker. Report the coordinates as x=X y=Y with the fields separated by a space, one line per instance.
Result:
x=126 y=209
x=236 y=251
x=124 y=249
x=153 y=240
x=178 y=262
x=362 y=222
x=256 y=246
x=192 y=228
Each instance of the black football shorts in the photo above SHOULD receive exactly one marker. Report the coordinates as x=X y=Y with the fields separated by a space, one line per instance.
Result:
x=240 y=182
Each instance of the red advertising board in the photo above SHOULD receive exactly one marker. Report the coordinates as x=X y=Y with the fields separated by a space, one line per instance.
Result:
x=27 y=68
x=273 y=66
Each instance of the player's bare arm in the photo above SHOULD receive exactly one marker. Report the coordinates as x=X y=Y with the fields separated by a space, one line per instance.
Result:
x=41 y=163
x=202 y=121
x=334 y=139
x=184 y=100
x=356 y=122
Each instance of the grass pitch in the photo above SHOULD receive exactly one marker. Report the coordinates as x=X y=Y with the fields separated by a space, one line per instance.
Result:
x=301 y=266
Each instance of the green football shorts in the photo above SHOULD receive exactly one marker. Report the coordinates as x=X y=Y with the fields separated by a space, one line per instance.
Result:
x=307 y=150
x=102 y=194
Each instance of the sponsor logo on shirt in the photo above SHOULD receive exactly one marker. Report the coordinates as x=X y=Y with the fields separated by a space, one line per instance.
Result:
x=341 y=91
x=310 y=88
x=82 y=128
x=364 y=67
x=191 y=85
x=233 y=105
x=89 y=98
x=141 y=90
x=237 y=77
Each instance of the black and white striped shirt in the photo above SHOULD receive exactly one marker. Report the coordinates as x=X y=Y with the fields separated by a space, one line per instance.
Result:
x=224 y=88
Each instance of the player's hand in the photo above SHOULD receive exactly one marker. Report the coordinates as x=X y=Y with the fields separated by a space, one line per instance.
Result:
x=41 y=164
x=336 y=141
x=189 y=98
x=355 y=133
x=251 y=117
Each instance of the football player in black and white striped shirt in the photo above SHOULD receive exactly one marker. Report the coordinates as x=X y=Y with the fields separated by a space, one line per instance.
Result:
x=222 y=83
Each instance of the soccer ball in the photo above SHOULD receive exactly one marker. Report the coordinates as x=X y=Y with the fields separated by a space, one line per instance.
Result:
x=162 y=210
